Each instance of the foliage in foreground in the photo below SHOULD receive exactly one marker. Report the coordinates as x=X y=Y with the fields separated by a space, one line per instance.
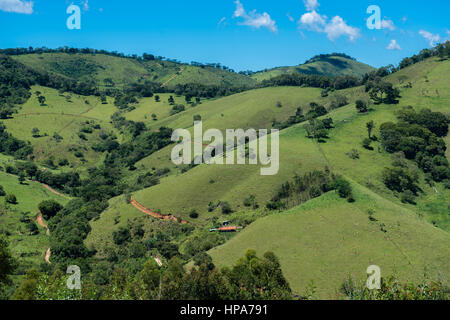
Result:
x=393 y=289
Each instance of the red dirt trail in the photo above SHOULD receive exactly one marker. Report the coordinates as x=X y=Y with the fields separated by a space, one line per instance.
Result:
x=155 y=215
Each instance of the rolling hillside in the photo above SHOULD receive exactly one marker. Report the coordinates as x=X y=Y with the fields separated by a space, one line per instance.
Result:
x=326 y=65
x=327 y=238
x=124 y=71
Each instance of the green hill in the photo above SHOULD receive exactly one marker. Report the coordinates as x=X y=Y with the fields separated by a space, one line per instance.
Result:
x=328 y=239
x=124 y=71
x=331 y=65
x=348 y=242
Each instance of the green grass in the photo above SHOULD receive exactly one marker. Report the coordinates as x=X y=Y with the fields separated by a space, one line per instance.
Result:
x=64 y=118
x=328 y=239
x=29 y=250
x=332 y=67
x=178 y=193
x=124 y=71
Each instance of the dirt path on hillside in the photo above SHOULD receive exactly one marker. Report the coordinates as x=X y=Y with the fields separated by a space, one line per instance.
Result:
x=52 y=190
x=172 y=77
x=40 y=221
x=47 y=256
x=153 y=214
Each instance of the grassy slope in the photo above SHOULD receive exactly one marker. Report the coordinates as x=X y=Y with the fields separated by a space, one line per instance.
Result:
x=328 y=239
x=415 y=241
x=335 y=66
x=28 y=249
x=64 y=118
x=125 y=71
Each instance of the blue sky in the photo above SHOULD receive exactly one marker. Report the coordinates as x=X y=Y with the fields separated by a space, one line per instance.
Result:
x=244 y=34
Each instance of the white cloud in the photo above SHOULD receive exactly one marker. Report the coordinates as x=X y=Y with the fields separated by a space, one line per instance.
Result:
x=311 y=5
x=393 y=45
x=387 y=24
x=16 y=6
x=338 y=27
x=254 y=19
x=334 y=29
x=313 y=21
x=432 y=38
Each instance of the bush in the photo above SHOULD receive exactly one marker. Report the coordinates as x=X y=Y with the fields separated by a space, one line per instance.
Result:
x=367 y=144
x=193 y=214
x=121 y=236
x=408 y=197
x=226 y=208
x=361 y=106
x=343 y=188
x=10 y=198
x=49 y=208
x=2 y=192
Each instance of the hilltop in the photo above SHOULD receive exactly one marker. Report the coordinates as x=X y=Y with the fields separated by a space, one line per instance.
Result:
x=331 y=65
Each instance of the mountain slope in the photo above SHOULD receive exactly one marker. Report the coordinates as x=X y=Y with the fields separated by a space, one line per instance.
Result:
x=124 y=71
x=332 y=65
x=328 y=239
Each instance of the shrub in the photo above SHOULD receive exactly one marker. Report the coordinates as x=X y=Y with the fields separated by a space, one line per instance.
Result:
x=2 y=192
x=226 y=208
x=408 y=197
x=10 y=198
x=367 y=144
x=193 y=214
x=343 y=188
x=49 y=208
x=361 y=106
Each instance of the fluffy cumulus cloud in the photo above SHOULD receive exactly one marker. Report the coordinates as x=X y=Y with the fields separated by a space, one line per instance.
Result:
x=393 y=45
x=16 y=6
x=432 y=39
x=313 y=21
x=335 y=28
x=338 y=27
x=254 y=19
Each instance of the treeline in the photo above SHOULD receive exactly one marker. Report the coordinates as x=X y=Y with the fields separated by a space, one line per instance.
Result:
x=16 y=80
x=12 y=146
x=417 y=136
x=70 y=50
x=309 y=186
x=321 y=57
x=251 y=278
x=314 y=81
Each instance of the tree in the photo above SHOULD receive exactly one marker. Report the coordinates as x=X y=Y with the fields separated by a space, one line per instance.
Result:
x=171 y=100
x=226 y=208
x=7 y=262
x=367 y=144
x=370 y=126
x=49 y=208
x=42 y=100
x=10 y=198
x=35 y=133
x=193 y=214
x=2 y=192
x=157 y=98
x=383 y=92
x=21 y=177
x=361 y=106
